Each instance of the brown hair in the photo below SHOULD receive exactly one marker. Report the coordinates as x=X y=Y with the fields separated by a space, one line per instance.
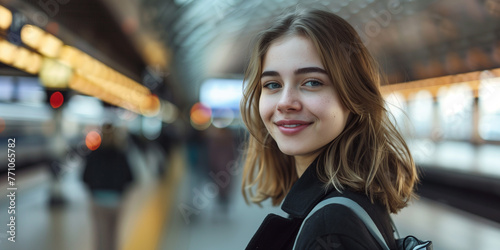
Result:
x=369 y=155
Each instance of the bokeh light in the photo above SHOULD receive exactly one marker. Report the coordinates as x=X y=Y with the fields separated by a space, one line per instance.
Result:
x=5 y=18
x=222 y=117
x=93 y=140
x=56 y=100
x=2 y=125
x=201 y=116
x=151 y=127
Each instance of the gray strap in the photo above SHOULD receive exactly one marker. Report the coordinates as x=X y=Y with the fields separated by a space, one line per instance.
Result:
x=357 y=209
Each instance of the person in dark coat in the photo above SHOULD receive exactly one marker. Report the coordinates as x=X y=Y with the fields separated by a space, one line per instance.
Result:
x=107 y=174
x=319 y=129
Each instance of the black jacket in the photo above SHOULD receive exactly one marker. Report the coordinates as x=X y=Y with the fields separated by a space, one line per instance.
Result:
x=332 y=227
x=107 y=168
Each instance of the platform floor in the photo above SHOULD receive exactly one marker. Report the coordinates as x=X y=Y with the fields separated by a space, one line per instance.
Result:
x=211 y=229
x=186 y=215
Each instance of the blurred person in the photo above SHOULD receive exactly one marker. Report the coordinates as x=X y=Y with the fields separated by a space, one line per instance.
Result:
x=319 y=129
x=197 y=154
x=221 y=154
x=107 y=174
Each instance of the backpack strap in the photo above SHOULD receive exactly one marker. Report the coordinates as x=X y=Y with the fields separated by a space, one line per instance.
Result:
x=357 y=209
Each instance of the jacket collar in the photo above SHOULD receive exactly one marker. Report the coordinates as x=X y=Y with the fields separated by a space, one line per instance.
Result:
x=307 y=191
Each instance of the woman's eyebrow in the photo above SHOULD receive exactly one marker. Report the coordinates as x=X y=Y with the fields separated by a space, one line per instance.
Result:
x=269 y=73
x=310 y=70
x=296 y=72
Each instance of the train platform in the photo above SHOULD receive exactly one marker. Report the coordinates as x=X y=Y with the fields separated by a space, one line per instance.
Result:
x=169 y=75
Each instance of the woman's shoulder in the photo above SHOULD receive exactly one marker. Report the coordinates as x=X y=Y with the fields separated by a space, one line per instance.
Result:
x=338 y=227
x=335 y=226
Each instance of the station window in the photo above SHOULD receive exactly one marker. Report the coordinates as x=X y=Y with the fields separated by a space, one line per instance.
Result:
x=30 y=90
x=456 y=106
x=6 y=88
x=421 y=113
x=396 y=104
x=489 y=107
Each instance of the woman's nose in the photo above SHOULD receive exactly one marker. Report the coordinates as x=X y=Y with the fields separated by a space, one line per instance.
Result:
x=289 y=100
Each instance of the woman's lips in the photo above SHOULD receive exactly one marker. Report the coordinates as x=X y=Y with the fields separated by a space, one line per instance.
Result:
x=292 y=127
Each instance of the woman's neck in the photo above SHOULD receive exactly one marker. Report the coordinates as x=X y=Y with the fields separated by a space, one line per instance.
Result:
x=302 y=162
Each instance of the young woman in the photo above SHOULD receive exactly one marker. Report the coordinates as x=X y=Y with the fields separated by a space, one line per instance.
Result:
x=319 y=129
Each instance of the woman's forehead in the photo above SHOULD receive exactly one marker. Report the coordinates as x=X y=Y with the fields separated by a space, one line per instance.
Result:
x=291 y=53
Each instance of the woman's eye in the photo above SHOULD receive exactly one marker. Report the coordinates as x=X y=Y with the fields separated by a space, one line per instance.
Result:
x=313 y=83
x=272 y=85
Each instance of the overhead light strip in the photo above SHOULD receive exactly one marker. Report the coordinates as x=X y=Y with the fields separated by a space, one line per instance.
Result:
x=67 y=66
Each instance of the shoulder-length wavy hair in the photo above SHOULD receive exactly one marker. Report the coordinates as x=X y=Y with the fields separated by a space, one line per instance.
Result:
x=369 y=155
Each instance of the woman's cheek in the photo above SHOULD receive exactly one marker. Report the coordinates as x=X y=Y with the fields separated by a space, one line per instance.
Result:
x=264 y=107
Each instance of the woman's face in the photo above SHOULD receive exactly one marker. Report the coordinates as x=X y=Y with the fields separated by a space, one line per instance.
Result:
x=298 y=104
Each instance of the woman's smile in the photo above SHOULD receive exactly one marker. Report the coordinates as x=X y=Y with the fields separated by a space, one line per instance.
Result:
x=292 y=127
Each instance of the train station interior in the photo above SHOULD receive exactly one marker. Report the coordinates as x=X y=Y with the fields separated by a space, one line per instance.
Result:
x=161 y=81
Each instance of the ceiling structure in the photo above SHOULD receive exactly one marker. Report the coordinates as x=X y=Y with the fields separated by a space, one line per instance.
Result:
x=187 y=41
x=87 y=25
x=411 y=39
